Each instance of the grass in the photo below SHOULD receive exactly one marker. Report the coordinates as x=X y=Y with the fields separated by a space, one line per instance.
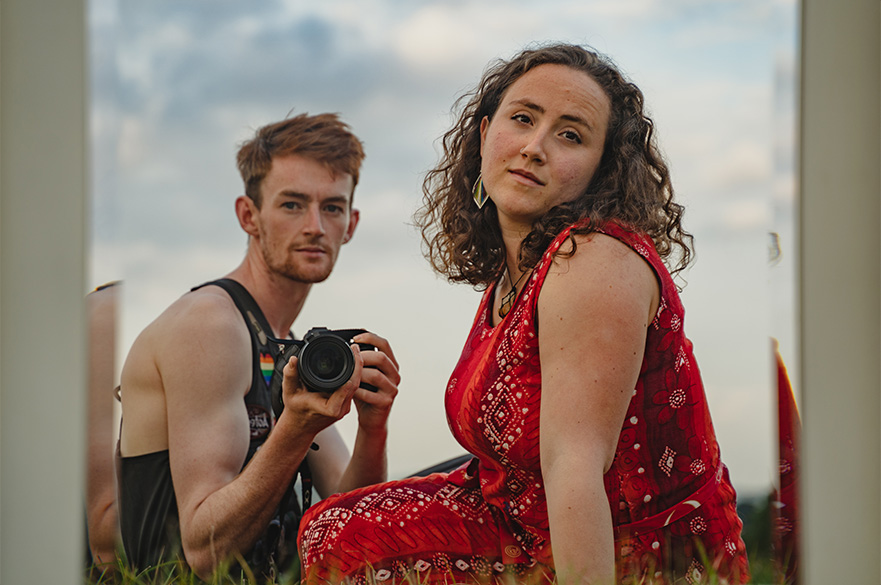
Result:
x=753 y=511
x=178 y=573
x=175 y=572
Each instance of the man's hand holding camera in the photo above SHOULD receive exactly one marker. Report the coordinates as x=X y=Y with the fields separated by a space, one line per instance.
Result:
x=313 y=411
x=381 y=372
x=322 y=374
x=316 y=381
x=372 y=385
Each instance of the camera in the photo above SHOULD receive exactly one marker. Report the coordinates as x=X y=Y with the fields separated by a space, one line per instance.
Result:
x=325 y=361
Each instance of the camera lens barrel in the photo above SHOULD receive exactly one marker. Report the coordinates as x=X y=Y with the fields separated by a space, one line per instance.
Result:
x=325 y=363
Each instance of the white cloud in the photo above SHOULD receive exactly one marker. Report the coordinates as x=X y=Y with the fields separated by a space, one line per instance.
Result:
x=132 y=141
x=435 y=37
x=748 y=214
x=745 y=162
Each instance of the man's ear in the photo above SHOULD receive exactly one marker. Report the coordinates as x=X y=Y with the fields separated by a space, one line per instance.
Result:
x=354 y=216
x=247 y=214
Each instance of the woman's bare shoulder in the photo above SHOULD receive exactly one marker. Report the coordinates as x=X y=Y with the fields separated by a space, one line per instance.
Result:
x=593 y=250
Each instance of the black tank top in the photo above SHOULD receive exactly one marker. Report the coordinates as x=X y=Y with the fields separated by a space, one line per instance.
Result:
x=148 y=513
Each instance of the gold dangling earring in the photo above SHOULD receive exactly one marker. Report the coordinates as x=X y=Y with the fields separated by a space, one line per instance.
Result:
x=479 y=193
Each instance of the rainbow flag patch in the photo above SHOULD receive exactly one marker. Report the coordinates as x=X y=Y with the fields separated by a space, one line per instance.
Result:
x=267 y=365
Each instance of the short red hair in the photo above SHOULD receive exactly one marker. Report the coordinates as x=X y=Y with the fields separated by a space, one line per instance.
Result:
x=323 y=138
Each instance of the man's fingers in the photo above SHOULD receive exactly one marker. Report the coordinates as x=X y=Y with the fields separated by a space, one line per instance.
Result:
x=378 y=365
x=330 y=406
x=291 y=379
x=383 y=360
x=379 y=343
x=359 y=363
x=339 y=402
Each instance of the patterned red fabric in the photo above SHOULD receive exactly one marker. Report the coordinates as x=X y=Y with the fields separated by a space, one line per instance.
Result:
x=784 y=512
x=671 y=500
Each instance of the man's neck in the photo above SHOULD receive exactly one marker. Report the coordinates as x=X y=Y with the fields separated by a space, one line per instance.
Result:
x=280 y=299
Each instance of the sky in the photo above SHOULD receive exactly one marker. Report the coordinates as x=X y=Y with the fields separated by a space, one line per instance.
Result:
x=177 y=85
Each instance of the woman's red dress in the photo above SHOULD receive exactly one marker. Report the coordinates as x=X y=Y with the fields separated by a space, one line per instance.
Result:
x=672 y=504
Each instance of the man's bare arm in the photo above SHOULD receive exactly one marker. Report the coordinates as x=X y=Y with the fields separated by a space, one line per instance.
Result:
x=206 y=371
x=101 y=510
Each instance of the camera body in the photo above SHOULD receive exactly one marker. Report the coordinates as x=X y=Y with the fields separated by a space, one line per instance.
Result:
x=324 y=361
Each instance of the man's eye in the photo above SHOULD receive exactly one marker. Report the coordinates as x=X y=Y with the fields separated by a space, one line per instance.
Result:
x=334 y=209
x=291 y=205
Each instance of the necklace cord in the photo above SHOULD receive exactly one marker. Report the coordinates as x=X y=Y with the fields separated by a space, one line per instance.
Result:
x=508 y=298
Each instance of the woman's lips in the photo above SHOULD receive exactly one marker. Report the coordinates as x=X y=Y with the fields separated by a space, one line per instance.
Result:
x=526 y=177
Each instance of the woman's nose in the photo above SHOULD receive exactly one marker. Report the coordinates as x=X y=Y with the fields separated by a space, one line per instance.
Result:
x=534 y=148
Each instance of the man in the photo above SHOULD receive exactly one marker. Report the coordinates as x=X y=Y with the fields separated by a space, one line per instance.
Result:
x=101 y=517
x=196 y=417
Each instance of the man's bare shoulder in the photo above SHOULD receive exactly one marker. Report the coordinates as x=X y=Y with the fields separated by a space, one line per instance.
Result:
x=206 y=312
x=205 y=320
x=197 y=347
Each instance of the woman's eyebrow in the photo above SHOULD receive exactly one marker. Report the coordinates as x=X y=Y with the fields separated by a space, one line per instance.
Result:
x=530 y=105
x=577 y=120
x=568 y=117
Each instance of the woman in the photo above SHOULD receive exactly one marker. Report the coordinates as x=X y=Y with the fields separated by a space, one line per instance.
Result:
x=577 y=391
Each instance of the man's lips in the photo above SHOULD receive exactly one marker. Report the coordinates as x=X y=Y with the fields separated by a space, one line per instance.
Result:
x=526 y=175
x=311 y=250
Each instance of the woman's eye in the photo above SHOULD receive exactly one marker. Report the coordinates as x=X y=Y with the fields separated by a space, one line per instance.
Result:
x=571 y=136
x=522 y=118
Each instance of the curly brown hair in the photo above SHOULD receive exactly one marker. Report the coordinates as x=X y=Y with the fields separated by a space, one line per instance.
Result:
x=631 y=186
x=322 y=137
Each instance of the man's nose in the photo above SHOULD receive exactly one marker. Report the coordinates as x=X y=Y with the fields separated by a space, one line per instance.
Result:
x=314 y=222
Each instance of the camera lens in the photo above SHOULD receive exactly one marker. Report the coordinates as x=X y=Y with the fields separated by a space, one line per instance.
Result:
x=326 y=363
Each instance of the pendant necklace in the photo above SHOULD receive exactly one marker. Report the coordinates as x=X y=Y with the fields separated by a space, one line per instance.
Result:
x=508 y=299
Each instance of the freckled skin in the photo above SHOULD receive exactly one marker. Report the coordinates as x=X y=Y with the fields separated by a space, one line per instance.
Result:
x=543 y=144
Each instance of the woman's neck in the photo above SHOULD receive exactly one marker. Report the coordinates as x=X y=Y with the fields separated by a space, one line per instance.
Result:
x=513 y=278
x=513 y=236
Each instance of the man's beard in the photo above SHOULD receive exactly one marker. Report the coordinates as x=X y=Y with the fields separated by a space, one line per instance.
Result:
x=304 y=272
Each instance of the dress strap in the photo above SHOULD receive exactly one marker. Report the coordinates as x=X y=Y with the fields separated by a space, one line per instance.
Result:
x=700 y=497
